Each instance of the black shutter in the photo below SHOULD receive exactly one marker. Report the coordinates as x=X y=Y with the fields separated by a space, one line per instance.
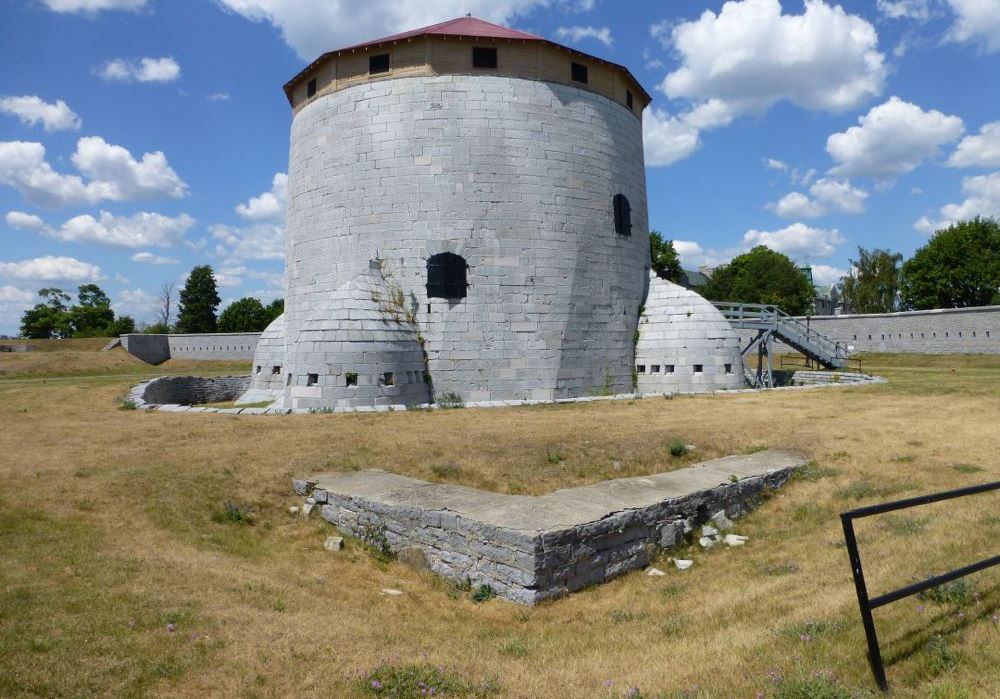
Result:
x=446 y=276
x=623 y=215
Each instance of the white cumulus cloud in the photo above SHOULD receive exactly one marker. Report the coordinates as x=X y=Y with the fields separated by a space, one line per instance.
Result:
x=112 y=172
x=919 y=10
x=51 y=269
x=982 y=198
x=773 y=164
x=798 y=241
x=69 y=6
x=976 y=21
x=143 y=70
x=667 y=138
x=151 y=259
x=982 y=150
x=825 y=275
x=893 y=139
x=828 y=196
x=32 y=110
x=269 y=206
x=257 y=241
x=141 y=230
x=750 y=56
x=577 y=34
x=312 y=27
x=137 y=303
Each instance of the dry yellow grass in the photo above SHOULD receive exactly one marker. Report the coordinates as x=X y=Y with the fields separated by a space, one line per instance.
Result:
x=106 y=518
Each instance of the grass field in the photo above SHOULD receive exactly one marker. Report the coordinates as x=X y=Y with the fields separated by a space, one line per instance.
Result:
x=122 y=573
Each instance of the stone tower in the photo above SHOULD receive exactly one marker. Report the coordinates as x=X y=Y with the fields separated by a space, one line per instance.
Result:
x=494 y=181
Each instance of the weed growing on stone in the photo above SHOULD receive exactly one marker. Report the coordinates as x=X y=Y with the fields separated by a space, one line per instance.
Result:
x=956 y=592
x=231 y=513
x=375 y=543
x=321 y=411
x=483 y=593
x=127 y=403
x=677 y=448
x=449 y=400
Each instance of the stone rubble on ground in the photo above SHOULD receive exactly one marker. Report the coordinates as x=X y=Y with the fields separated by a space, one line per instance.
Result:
x=735 y=540
x=391 y=592
x=307 y=508
x=334 y=543
x=655 y=573
x=720 y=520
x=294 y=510
x=682 y=564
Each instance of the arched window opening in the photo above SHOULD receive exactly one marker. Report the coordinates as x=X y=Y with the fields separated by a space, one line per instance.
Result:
x=446 y=276
x=623 y=215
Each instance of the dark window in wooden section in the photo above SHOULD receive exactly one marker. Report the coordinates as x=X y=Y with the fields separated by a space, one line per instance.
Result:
x=628 y=99
x=484 y=57
x=378 y=64
x=578 y=72
x=446 y=276
x=311 y=88
x=623 y=214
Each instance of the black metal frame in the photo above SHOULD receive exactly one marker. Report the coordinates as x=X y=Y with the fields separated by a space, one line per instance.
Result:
x=868 y=604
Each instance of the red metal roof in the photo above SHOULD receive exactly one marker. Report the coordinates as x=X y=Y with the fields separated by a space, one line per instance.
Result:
x=462 y=26
x=469 y=27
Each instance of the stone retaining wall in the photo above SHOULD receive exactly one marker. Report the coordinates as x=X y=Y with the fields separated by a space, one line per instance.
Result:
x=189 y=390
x=941 y=331
x=156 y=349
x=533 y=548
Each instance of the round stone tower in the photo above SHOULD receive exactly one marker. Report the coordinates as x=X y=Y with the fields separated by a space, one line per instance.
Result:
x=496 y=180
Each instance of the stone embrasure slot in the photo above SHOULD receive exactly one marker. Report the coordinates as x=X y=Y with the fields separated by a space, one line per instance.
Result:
x=531 y=548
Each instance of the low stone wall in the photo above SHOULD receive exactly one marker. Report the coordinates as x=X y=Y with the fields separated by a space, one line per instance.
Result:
x=822 y=378
x=941 y=331
x=530 y=549
x=189 y=390
x=18 y=348
x=155 y=349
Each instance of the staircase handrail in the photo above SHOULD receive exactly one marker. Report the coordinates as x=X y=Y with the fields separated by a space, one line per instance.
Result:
x=762 y=315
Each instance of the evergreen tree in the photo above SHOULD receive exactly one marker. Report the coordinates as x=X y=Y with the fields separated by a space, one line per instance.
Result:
x=198 y=300
x=762 y=276
x=959 y=267
x=274 y=309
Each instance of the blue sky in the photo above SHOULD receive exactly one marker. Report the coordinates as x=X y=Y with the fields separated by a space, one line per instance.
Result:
x=141 y=137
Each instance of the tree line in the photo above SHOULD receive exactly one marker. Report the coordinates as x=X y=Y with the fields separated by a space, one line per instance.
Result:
x=959 y=267
x=198 y=302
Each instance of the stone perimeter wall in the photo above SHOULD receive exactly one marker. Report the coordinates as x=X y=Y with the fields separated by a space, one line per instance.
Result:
x=526 y=567
x=941 y=331
x=156 y=349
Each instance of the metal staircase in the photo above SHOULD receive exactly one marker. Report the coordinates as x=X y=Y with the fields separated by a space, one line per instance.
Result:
x=772 y=323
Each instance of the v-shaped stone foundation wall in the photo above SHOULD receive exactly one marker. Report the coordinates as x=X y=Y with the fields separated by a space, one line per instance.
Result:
x=533 y=548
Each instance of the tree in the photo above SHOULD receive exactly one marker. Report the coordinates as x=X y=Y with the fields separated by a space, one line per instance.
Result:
x=164 y=302
x=959 y=267
x=274 y=309
x=872 y=286
x=49 y=319
x=198 y=300
x=92 y=316
x=663 y=258
x=762 y=276
x=243 y=316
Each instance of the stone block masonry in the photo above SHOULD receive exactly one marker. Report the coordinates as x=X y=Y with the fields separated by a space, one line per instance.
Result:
x=156 y=349
x=529 y=549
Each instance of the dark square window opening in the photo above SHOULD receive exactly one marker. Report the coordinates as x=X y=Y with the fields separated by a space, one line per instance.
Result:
x=628 y=99
x=276 y=369
x=446 y=276
x=655 y=369
x=378 y=64
x=484 y=57
x=311 y=88
x=578 y=73
x=699 y=368
x=669 y=369
x=729 y=368
x=389 y=379
x=640 y=369
x=352 y=378
x=312 y=379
